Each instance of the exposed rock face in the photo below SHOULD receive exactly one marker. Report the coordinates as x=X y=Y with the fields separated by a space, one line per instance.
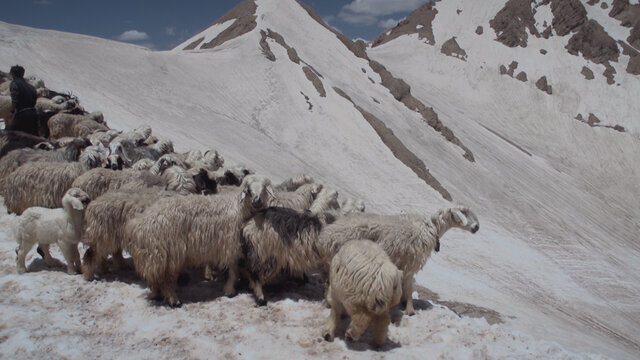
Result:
x=245 y=21
x=522 y=76
x=451 y=48
x=266 y=49
x=399 y=150
x=510 y=23
x=588 y=74
x=594 y=43
x=418 y=22
x=629 y=16
x=604 y=5
x=543 y=51
x=567 y=15
x=634 y=61
x=609 y=73
x=479 y=30
x=512 y=67
x=543 y=85
x=594 y=121
x=315 y=80
x=194 y=44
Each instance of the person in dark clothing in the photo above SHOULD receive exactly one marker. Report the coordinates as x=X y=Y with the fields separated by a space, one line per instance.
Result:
x=23 y=102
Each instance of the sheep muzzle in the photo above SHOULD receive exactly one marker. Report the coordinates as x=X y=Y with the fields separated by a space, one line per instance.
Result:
x=256 y=202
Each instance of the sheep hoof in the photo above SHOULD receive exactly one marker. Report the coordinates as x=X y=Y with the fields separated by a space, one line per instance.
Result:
x=40 y=252
x=328 y=337
x=261 y=302
x=176 y=304
x=21 y=270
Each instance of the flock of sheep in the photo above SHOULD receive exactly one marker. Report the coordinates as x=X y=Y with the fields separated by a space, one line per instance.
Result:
x=130 y=192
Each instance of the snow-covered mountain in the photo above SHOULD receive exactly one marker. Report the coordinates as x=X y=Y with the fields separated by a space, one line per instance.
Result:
x=524 y=110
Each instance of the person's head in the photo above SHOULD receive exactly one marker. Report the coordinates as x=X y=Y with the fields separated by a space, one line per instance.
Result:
x=17 y=71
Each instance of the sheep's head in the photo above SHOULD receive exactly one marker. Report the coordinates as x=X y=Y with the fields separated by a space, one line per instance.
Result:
x=257 y=189
x=465 y=219
x=166 y=161
x=213 y=159
x=114 y=162
x=204 y=184
x=164 y=146
x=314 y=189
x=77 y=198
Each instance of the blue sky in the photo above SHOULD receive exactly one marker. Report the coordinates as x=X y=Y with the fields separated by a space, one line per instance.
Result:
x=163 y=24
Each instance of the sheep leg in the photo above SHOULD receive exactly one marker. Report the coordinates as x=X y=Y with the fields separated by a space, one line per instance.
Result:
x=70 y=253
x=380 y=328
x=21 y=252
x=167 y=288
x=118 y=260
x=229 y=286
x=46 y=254
x=89 y=264
x=333 y=320
x=407 y=294
x=208 y=273
x=359 y=323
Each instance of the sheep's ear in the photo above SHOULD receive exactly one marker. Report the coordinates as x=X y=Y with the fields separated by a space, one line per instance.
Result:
x=243 y=195
x=459 y=217
x=270 y=191
x=77 y=204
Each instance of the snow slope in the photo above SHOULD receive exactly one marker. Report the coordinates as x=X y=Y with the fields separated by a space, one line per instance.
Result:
x=556 y=255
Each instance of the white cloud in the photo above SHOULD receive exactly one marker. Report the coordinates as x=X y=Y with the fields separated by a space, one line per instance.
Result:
x=355 y=18
x=385 y=24
x=171 y=31
x=133 y=35
x=382 y=7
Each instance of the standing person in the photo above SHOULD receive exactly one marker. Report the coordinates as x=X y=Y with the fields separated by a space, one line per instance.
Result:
x=23 y=102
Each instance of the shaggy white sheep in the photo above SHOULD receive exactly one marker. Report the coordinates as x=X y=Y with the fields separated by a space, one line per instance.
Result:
x=185 y=231
x=48 y=226
x=103 y=137
x=134 y=137
x=55 y=104
x=364 y=282
x=301 y=199
x=279 y=239
x=105 y=220
x=294 y=183
x=407 y=239
x=326 y=200
x=44 y=183
x=65 y=124
x=133 y=153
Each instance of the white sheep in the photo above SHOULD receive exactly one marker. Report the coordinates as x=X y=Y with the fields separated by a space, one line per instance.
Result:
x=63 y=226
x=66 y=124
x=132 y=153
x=408 y=239
x=326 y=200
x=185 y=231
x=301 y=199
x=364 y=282
x=134 y=137
x=279 y=239
x=44 y=183
x=143 y=164
x=105 y=220
x=103 y=137
x=55 y=104
x=294 y=183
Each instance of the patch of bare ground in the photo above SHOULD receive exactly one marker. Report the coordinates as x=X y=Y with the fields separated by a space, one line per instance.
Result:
x=461 y=309
x=399 y=150
x=634 y=58
x=594 y=121
x=418 y=22
x=453 y=49
x=512 y=22
x=245 y=21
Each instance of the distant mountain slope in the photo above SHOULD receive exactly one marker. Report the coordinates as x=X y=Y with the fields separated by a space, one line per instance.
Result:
x=443 y=114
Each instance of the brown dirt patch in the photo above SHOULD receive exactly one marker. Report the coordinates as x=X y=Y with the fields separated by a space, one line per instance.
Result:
x=462 y=309
x=399 y=150
x=422 y=17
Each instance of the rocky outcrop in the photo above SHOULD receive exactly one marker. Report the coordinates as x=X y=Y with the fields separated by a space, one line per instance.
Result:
x=588 y=74
x=479 y=30
x=593 y=42
x=313 y=77
x=543 y=85
x=245 y=21
x=453 y=49
x=634 y=58
x=522 y=76
x=594 y=121
x=418 y=22
x=629 y=16
x=512 y=22
x=568 y=15
x=399 y=150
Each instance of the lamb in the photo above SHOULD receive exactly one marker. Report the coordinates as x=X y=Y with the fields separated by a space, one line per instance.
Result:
x=65 y=124
x=294 y=183
x=44 y=183
x=105 y=220
x=279 y=239
x=301 y=199
x=185 y=231
x=407 y=239
x=364 y=282
x=48 y=226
